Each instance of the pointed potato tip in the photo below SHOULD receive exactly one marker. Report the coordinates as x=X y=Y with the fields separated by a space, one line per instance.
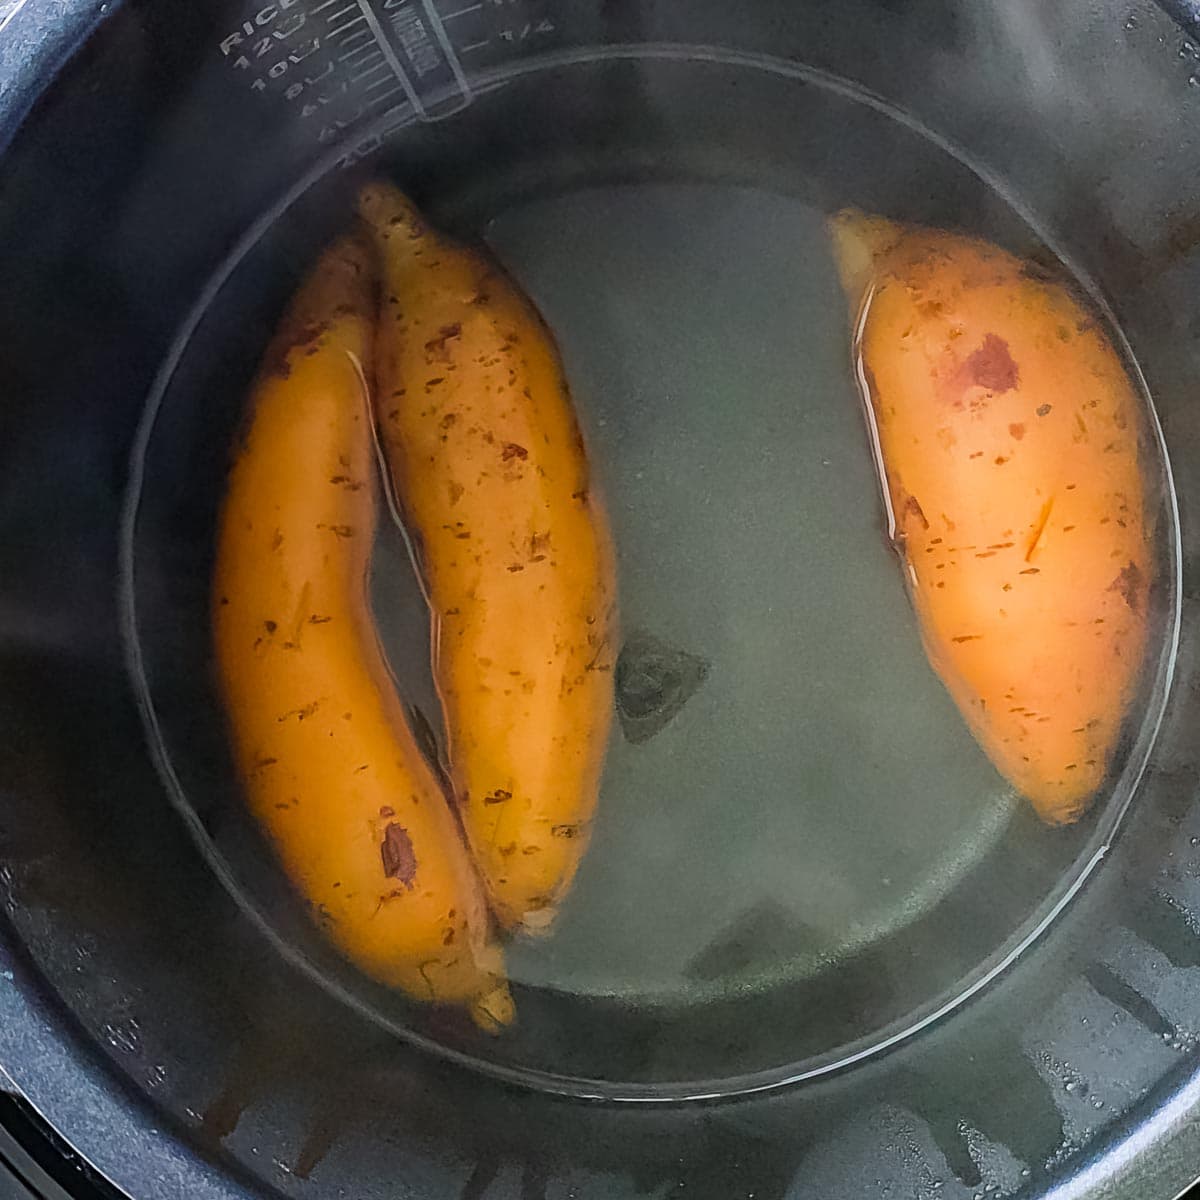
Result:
x=1056 y=812
x=382 y=205
x=341 y=282
x=860 y=242
x=494 y=1011
x=536 y=923
x=348 y=255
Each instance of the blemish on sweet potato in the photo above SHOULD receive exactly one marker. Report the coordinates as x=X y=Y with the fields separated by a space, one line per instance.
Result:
x=913 y=506
x=992 y=366
x=398 y=855
x=1128 y=584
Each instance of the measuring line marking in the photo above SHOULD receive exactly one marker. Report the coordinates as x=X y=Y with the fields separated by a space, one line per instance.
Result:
x=362 y=33
x=367 y=52
x=362 y=62
x=333 y=33
x=414 y=31
x=389 y=54
x=462 y=12
x=379 y=66
x=473 y=46
x=396 y=91
x=335 y=38
x=323 y=6
x=341 y=12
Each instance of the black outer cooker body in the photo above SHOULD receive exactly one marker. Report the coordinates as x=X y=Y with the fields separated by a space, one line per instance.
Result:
x=158 y=1034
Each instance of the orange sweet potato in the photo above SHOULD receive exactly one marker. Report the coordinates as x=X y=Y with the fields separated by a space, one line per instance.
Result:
x=330 y=767
x=1007 y=432
x=489 y=466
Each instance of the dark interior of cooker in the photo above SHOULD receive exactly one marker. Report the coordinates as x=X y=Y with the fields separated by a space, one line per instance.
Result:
x=135 y=177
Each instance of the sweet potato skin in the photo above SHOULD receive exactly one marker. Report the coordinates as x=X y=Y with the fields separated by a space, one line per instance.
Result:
x=329 y=765
x=492 y=476
x=1007 y=433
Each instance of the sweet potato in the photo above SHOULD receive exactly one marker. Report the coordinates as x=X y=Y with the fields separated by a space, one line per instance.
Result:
x=330 y=767
x=1007 y=431
x=490 y=471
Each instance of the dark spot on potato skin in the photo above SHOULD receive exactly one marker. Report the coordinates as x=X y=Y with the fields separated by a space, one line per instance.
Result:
x=435 y=348
x=913 y=507
x=992 y=366
x=399 y=857
x=1128 y=584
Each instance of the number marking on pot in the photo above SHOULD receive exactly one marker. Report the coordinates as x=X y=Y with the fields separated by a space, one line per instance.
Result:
x=339 y=63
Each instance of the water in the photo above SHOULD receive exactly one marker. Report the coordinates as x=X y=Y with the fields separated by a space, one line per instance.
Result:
x=810 y=854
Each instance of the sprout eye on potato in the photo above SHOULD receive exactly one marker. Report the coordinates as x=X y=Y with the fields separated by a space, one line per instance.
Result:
x=1007 y=432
